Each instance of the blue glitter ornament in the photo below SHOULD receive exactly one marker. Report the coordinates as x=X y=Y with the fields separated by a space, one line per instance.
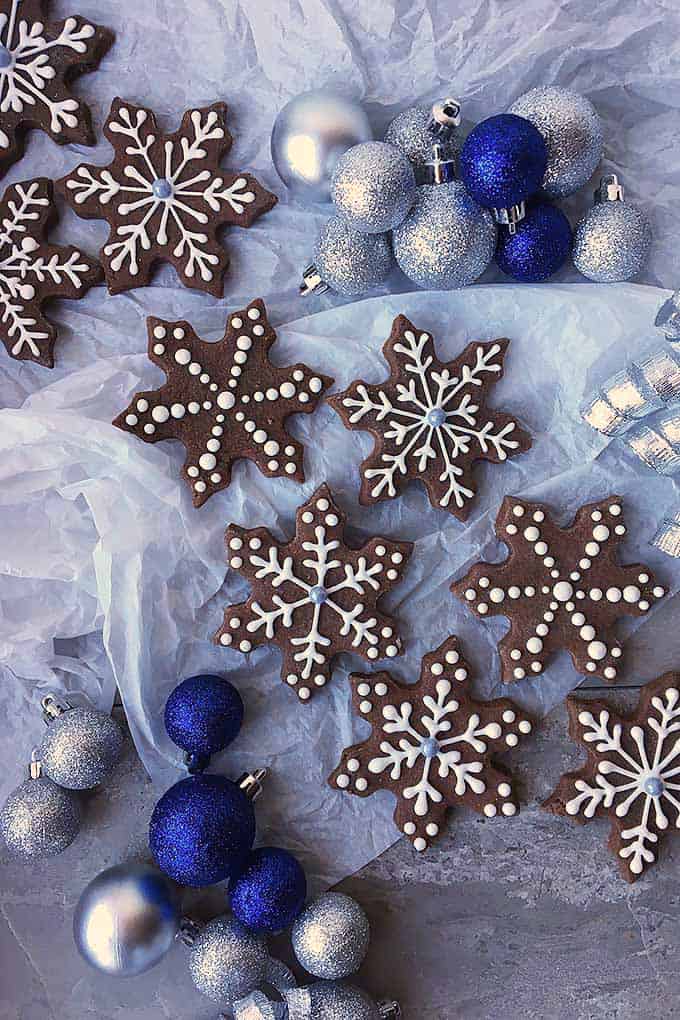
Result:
x=203 y=829
x=540 y=245
x=270 y=892
x=503 y=163
x=202 y=716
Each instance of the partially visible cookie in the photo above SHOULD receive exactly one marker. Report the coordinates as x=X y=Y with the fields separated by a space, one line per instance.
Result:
x=38 y=61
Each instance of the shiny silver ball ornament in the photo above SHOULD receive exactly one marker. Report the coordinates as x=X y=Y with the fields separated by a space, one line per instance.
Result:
x=227 y=961
x=373 y=187
x=80 y=747
x=346 y=261
x=39 y=819
x=572 y=131
x=668 y=318
x=613 y=240
x=310 y=135
x=126 y=919
x=415 y=130
x=330 y=937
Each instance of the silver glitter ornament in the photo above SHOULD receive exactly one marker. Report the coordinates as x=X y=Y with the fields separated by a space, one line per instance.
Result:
x=81 y=745
x=126 y=919
x=330 y=937
x=335 y=1000
x=415 y=130
x=39 y=819
x=227 y=961
x=573 y=135
x=373 y=187
x=346 y=261
x=310 y=135
x=613 y=240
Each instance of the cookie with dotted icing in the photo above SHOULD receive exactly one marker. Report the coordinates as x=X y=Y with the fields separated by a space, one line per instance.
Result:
x=38 y=61
x=432 y=745
x=165 y=197
x=314 y=596
x=560 y=588
x=224 y=401
x=430 y=421
x=631 y=775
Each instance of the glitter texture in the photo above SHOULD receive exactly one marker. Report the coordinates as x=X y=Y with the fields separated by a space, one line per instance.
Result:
x=271 y=891
x=503 y=161
x=373 y=187
x=349 y=262
x=332 y=1000
x=612 y=242
x=408 y=131
x=447 y=240
x=39 y=819
x=203 y=714
x=202 y=830
x=227 y=961
x=80 y=748
x=330 y=938
x=572 y=131
x=538 y=248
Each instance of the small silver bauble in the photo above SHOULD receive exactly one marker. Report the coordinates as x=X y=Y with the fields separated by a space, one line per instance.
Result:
x=415 y=130
x=613 y=240
x=373 y=187
x=310 y=135
x=227 y=961
x=323 y=1000
x=39 y=818
x=668 y=318
x=80 y=747
x=572 y=131
x=346 y=261
x=126 y=919
x=330 y=937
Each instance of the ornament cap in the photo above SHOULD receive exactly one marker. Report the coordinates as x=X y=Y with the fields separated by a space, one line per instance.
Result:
x=196 y=762
x=445 y=117
x=389 y=1010
x=251 y=783
x=53 y=707
x=440 y=168
x=610 y=190
x=511 y=216
x=35 y=765
x=312 y=282
x=188 y=931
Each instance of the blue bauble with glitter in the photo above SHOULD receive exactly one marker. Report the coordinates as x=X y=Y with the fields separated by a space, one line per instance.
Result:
x=203 y=715
x=270 y=892
x=503 y=161
x=202 y=830
x=538 y=248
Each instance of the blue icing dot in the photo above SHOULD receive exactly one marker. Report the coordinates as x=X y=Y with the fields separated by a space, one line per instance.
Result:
x=654 y=786
x=430 y=747
x=436 y=417
x=5 y=56
x=162 y=188
x=318 y=594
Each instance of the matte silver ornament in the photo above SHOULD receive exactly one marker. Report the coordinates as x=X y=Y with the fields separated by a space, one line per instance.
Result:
x=346 y=261
x=415 y=130
x=310 y=135
x=373 y=187
x=126 y=919
x=39 y=819
x=572 y=131
x=80 y=747
x=613 y=240
x=330 y=937
x=227 y=961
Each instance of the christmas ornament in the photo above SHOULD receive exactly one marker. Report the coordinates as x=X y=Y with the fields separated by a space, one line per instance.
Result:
x=447 y=240
x=323 y=1000
x=226 y=960
x=503 y=163
x=373 y=187
x=166 y=197
x=431 y=745
x=270 y=892
x=126 y=919
x=81 y=745
x=38 y=61
x=613 y=240
x=430 y=420
x=310 y=134
x=538 y=246
x=224 y=401
x=346 y=261
x=631 y=773
x=668 y=318
x=314 y=596
x=415 y=130
x=330 y=937
x=39 y=819
x=560 y=588
x=572 y=131
x=202 y=716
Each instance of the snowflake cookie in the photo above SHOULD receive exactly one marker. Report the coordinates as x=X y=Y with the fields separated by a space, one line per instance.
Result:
x=632 y=774
x=314 y=596
x=38 y=61
x=33 y=271
x=165 y=197
x=431 y=745
x=560 y=588
x=224 y=400
x=429 y=420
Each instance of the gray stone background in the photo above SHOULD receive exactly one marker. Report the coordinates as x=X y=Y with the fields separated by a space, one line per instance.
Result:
x=524 y=920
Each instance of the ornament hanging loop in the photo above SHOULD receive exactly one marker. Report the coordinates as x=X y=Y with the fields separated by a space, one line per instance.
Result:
x=610 y=190
x=312 y=283
x=511 y=216
x=251 y=783
x=52 y=707
x=445 y=117
x=188 y=930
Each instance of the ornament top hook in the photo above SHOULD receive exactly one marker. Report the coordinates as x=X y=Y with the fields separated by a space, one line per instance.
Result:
x=445 y=117
x=610 y=190
x=52 y=707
